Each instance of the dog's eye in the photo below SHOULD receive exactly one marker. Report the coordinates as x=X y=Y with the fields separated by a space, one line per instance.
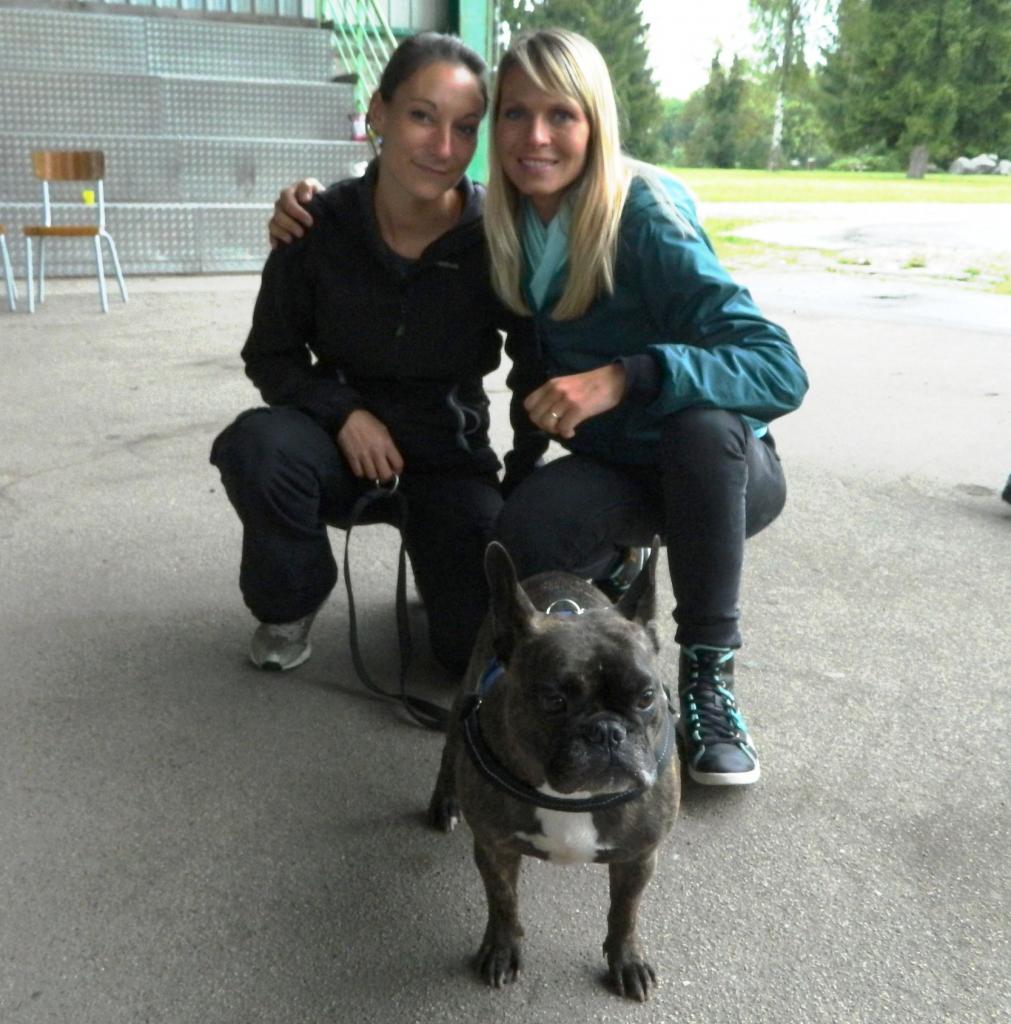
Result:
x=645 y=699
x=552 y=703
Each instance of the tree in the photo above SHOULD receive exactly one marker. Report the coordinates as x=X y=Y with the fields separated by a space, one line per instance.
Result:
x=616 y=28
x=783 y=26
x=672 y=134
x=728 y=127
x=984 y=115
x=923 y=77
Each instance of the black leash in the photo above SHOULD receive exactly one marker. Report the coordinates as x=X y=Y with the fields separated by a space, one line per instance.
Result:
x=431 y=716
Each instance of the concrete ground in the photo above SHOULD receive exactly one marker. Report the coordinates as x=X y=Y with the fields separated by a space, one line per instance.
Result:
x=184 y=840
x=918 y=241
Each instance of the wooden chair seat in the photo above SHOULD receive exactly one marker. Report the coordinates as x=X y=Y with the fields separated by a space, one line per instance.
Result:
x=61 y=231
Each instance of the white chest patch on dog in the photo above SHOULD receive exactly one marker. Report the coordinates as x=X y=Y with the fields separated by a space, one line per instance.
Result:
x=567 y=837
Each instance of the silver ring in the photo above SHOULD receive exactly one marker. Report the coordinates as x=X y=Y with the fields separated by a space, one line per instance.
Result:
x=387 y=485
x=557 y=415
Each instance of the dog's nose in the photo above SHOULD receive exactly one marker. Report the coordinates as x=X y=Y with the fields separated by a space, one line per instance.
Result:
x=607 y=733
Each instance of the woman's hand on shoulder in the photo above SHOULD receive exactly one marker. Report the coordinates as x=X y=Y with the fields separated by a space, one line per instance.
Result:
x=290 y=218
x=366 y=444
x=560 y=405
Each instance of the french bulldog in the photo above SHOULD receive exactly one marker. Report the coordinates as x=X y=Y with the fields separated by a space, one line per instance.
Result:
x=561 y=746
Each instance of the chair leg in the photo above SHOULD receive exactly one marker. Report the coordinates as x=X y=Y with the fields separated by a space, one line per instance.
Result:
x=117 y=267
x=31 y=274
x=42 y=270
x=12 y=294
x=103 y=298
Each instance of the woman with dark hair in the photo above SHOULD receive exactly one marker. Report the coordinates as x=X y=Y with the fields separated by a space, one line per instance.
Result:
x=369 y=340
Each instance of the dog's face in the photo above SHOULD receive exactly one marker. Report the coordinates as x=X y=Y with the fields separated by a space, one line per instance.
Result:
x=585 y=703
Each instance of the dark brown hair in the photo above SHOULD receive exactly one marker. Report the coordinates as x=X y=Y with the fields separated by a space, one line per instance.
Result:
x=417 y=52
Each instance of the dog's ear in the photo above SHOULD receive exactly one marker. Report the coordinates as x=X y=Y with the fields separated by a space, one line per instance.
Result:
x=638 y=603
x=511 y=609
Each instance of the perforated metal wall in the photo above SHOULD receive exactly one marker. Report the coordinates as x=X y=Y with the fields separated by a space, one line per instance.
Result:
x=211 y=214
x=135 y=105
x=85 y=104
x=213 y=170
x=198 y=133
x=236 y=51
x=34 y=40
x=154 y=239
x=275 y=110
x=300 y=9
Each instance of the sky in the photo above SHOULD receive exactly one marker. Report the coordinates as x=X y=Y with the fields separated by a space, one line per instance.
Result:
x=684 y=35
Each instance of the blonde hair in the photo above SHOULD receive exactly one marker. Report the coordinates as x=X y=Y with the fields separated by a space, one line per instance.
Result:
x=563 y=63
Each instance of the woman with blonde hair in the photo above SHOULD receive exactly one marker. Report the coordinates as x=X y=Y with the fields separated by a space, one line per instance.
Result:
x=650 y=365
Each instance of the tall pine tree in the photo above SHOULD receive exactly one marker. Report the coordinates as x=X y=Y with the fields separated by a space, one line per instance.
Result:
x=925 y=78
x=616 y=28
x=717 y=137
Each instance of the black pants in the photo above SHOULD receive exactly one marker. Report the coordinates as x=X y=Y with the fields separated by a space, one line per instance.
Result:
x=286 y=478
x=714 y=484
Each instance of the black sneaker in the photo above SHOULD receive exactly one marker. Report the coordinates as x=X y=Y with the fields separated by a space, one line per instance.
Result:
x=718 y=749
x=631 y=563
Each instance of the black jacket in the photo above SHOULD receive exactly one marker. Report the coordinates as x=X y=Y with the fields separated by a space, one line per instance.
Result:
x=343 y=323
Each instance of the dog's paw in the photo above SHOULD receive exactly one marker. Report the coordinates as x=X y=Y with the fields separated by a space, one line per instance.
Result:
x=630 y=975
x=499 y=962
x=443 y=812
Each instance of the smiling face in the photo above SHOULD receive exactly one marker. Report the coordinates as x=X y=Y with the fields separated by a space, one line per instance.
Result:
x=541 y=139
x=429 y=130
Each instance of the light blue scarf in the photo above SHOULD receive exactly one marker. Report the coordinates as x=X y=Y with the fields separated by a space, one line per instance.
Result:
x=546 y=252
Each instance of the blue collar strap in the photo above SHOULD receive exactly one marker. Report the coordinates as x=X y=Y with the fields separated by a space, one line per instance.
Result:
x=496 y=772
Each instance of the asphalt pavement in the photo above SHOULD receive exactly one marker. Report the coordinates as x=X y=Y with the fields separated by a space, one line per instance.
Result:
x=185 y=840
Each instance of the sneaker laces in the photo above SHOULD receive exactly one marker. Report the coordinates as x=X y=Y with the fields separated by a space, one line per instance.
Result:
x=712 y=713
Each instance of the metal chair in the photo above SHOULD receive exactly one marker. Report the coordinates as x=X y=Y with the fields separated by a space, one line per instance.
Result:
x=70 y=165
x=12 y=295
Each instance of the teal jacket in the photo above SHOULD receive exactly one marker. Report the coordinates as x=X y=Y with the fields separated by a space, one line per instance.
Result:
x=673 y=301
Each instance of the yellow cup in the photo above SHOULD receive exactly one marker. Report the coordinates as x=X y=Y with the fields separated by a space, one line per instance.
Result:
x=88 y=196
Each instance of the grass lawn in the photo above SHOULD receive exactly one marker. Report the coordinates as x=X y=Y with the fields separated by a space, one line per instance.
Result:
x=717 y=186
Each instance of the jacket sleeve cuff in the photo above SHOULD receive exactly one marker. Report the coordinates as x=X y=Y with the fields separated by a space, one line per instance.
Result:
x=643 y=378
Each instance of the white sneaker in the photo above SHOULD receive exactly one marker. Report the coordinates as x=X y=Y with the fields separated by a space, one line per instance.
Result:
x=280 y=646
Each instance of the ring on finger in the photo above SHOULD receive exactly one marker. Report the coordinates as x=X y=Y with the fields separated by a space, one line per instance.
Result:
x=555 y=415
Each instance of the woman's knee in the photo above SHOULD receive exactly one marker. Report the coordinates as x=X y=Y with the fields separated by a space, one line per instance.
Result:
x=526 y=534
x=571 y=516
x=260 y=440
x=704 y=430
